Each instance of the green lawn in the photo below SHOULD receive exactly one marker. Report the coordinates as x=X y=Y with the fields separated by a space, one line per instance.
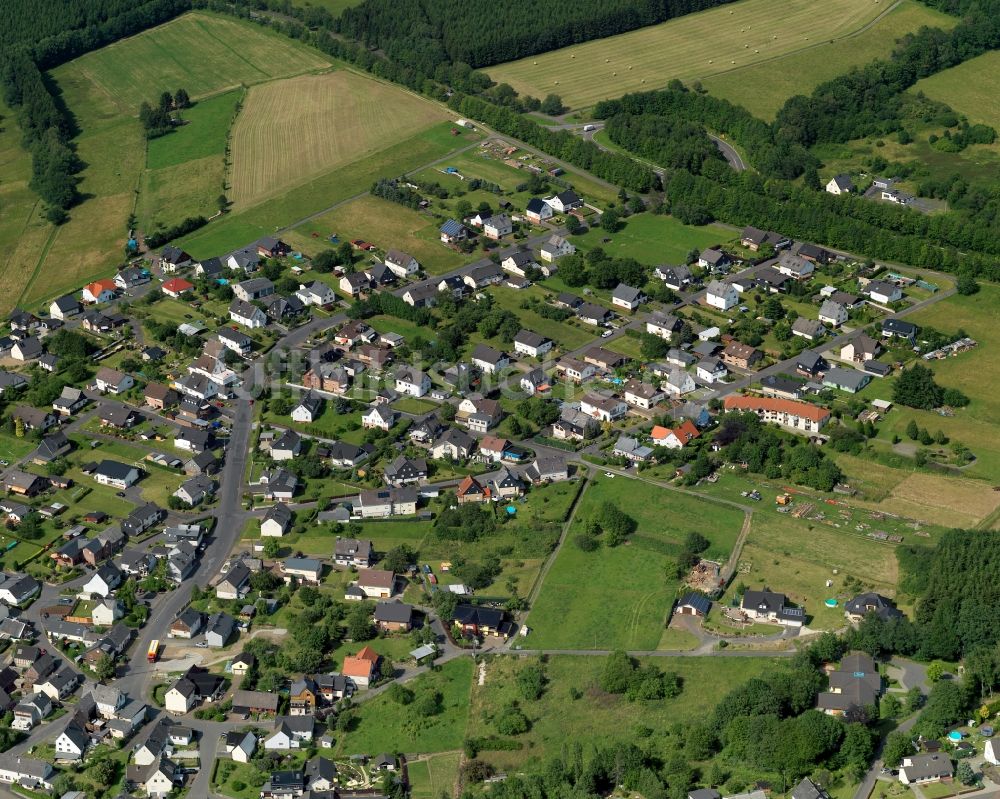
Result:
x=385 y=726
x=597 y=718
x=13 y=448
x=653 y=239
x=970 y=88
x=568 y=335
x=434 y=776
x=626 y=587
x=414 y=405
x=319 y=194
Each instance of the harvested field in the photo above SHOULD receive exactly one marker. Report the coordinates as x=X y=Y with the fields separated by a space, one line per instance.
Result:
x=291 y=131
x=694 y=46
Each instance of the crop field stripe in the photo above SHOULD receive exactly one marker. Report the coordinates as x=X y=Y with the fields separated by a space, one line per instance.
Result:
x=649 y=57
x=201 y=24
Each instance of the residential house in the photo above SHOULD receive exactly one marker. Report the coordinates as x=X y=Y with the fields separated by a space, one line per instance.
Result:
x=401 y=264
x=305 y=570
x=380 y=417
x=676 y=278
x=115 y=474
x=12 y=381
x=575 y=369
x=854 y=685
x=320 y=294
x=361 y=668
x=642 y=395
x=235 y=340
x=861 y=348
x=188 y=624
x=64 y=307
x=592 y=314
x=565 y=201
x=740 y=355
x=479 y=621
x=631 y=449
x=849 y=380
x=479 y=414
x=176 y=287
x=840 y=184
x=678 y=383
x=244 y=261
x=537 y=210
x=270 y=247
x=573 y=425
x=26 y=349
x=832 y=313
x=235 y=583
x=122 y=417
x=555 y=248
x=531 y=344
x=25 y=771
x=196 y=490
x=353 y=552
x=604 y=358
x=393 y=616
x=711 y=370
x=308 y=409
x=796 y=415
x=142 y=518
x=471 y=490
x=780 y=386
x=452 y=231
x=925 y=768
x=23 y=483
x=71 y=401
x=99 y=291
x=897 y=328
x=488 y=359
x=870 y=602
x=603 y=408
x=675 y=437
x=714 y=259
x=72 y=743
x=219 y=628
x=290 y=732
x=256 y=288
x=111 y=381
x=695 y=605
x=753 y=239
x=276 y=522
x=721 y=295
x=883 y=292
x=794 y=266
x=381 y=502
x=346 y=455
x=769 y=606
x=663 y=325
x=535 y=382
x=247 y=314
x=810 y=364
x=285 y=447
x=240 y=746
x=627 y=297
x=403 y=471
x=102 y=582
x=506 y=485
x=376 y=583
x=255 y=701
x=277 y=484
x=412 y=381
x=173 y=258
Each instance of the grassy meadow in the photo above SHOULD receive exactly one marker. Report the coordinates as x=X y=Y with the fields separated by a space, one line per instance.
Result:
x=689 y=47
x=291 y=131
x=653 y=239
x=628 y=588
x=775 y=80
x=972 y=88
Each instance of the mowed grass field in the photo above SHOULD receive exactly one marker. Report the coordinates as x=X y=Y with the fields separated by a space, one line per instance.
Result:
x=763 y=88
x=971 y=88
x=652 y=239
x=597 y=718
x=693 y=46
x=200 y=52
x=322 y=192
x=185 y=169
x=619 y=597
x=433 y=776
x=385 y=224
x=290 y=131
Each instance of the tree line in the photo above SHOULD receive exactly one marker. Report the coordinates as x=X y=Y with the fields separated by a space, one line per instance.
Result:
x=671 y=141
x=35 y=38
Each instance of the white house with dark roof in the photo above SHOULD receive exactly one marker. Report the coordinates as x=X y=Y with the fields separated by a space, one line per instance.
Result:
x=721 y=295
x=840 y=184
x=555 y=248
x=531 y=344
x=401 y=264
x=627 y=297
x=488 y=359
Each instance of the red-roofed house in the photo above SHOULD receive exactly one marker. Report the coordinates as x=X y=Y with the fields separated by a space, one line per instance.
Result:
x=470 y=490
x=176 y=286
x=675 y=438
x=100 y=290
x=360 y=668
x=787 y=413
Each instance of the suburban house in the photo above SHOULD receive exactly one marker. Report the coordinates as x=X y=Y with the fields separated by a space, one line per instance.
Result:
x=478 y=413
x=378 y=503
x=780 y=386
x=674 y=437
x=305 y=570
x=247 y=314
x=860 y=349
x=849 y=380
x=26 y=349
x=471 y=490
x=235 y=583
x=753 y=239
x=479 y=621
x=519 y=262
x=70 y=401
x=277 y=519
x=924 y=768
x=111 y=381
x=488 y=359
x=308 y=409
x=498 y=226
x=810 y=364
x=768 y=606
x=113 y=473
x=176 y=286
x=740 y=355
x=393 y=616
x=380 y=417
x=452 y=231
x=693 y=605
x=453 y=444
x=412 y=381
x=832 y=313
x=882 y=292
x=714 y=259
x=403 y=471
x=855 y=684
x=531 y=344
x=538 y=210
x=663 y=325
x=401 y=264
x=64 y=307
x=565 y=201
x=840 y=184
x=809 y=329
x=710 y=370
x=285 y=447
x=721 y=295
x=361 y=668
x=256 y=288
x=555 y=248
x=592 y=314
x=870 y=602
x=603 y=408
x=679 y=277
x=352 y=552
x=99 y=291
x=897 y=328
x=481 y=276
x=678 y=383
x=575 y=369
x=188 y=624
x=991 y=751
x=797 y=415
x=290 y=732
x=642 y=395
x=631 y=449
x=794 y=266
x=627 y=297
x=376 y=583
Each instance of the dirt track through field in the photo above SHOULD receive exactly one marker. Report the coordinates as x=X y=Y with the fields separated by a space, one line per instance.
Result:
x=292 y=130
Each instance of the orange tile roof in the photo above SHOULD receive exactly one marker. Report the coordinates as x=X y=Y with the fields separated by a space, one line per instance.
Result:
x=95 y=288
x=468 y=484
x=685 y=432
x=357 y=667
x=177 y=284
x=804 y=410
x=367 y=653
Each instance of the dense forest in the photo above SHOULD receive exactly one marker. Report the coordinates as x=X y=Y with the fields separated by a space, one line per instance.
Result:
x=870 y=100
x=771 y=156
x=667 y=140
x=425 y=33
